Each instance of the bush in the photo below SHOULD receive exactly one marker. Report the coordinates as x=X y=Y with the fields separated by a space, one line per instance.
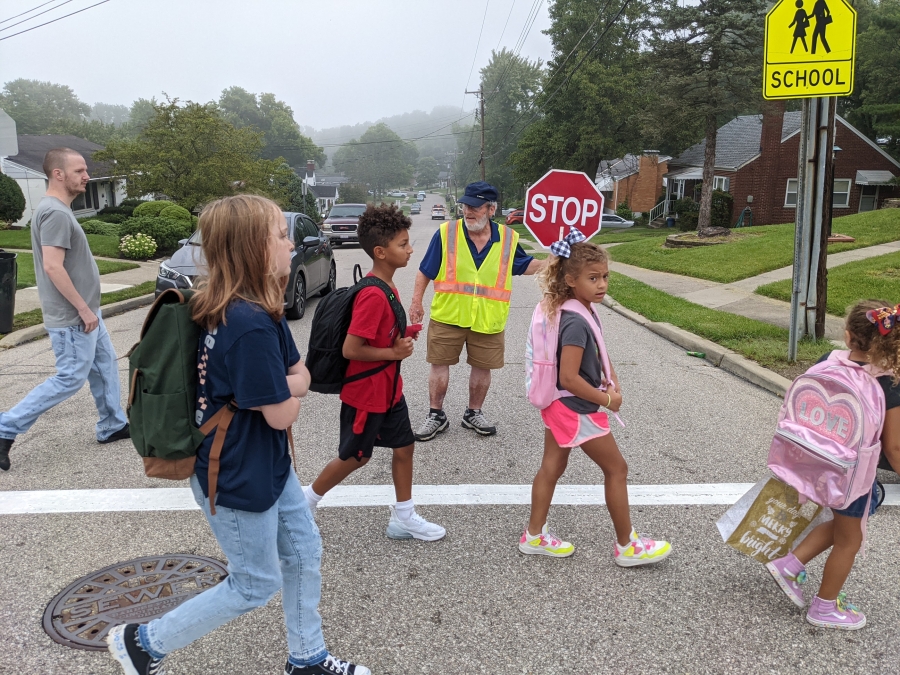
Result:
x=176 y=212
x=687 y=222
x=151 y=208
x=624 y=211
x=137 y=247
x=131 y=202
x=12 y=201
x=722 y=204
x=686 y=205
x=164 y=231
x=96 y=226
x=117 y=218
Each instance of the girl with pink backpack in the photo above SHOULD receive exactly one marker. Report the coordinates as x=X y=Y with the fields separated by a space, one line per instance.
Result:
x=570 y=379
x=872 y=334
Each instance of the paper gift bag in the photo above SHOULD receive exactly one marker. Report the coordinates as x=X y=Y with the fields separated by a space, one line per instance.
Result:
x=769 y=520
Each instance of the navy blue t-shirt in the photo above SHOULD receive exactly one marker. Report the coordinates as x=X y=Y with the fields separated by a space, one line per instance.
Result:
x=246 y=358
x=431 y=263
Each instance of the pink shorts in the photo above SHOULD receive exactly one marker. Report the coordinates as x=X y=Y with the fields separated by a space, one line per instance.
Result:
x=571 y=429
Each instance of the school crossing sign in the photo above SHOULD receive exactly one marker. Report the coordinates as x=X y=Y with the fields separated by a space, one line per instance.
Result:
x=810 y=49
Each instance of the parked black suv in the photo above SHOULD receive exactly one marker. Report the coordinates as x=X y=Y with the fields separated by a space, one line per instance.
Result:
x=312 y=265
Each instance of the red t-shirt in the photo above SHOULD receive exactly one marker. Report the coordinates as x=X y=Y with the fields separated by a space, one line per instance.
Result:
x=373 y=320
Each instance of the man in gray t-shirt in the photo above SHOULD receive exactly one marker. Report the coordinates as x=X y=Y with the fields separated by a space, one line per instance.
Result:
x=69 y=288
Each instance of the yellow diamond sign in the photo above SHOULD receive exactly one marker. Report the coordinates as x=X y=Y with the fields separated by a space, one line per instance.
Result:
x=810 y=49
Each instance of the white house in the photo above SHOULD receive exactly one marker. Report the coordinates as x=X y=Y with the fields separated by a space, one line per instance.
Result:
x=326 y=195
x=26 y=168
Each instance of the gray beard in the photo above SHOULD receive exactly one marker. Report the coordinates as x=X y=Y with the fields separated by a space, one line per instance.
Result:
x=478 y=226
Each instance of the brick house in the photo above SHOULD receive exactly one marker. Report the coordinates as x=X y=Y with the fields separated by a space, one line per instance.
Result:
x=756 y=161
x=635 y=178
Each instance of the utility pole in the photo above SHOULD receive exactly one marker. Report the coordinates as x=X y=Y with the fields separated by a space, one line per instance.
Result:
x=480 y=94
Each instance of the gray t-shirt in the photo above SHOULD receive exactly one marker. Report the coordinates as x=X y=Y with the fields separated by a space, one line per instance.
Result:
x=54 y=224
x=574 y=330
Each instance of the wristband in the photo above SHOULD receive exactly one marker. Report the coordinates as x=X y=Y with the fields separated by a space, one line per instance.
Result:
x=608 y=399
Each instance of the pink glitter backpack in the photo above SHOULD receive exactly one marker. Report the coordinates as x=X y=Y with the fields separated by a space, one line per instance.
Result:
x=828 y=438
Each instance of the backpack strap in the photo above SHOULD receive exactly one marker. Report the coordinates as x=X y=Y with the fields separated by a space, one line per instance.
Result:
x=220 y=422
x=170 y=296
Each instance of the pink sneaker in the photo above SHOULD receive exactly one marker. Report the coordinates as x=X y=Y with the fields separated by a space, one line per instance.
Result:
x=641 y=550
x=789 y=573
x=545 y=543
x=835 y=614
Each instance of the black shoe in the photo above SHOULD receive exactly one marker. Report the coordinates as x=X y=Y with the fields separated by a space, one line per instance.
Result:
x=126 y=649
x=5 y=445
x=475 y=420
x=120 y=435
x=434 y=424
x=330 y=666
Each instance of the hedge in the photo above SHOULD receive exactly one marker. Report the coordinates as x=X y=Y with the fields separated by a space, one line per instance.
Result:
x=166 y=232
x=152 y=209
x=176 y=212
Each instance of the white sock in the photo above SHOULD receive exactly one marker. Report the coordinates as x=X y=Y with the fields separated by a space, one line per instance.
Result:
x=405 y=510
x=311 y=497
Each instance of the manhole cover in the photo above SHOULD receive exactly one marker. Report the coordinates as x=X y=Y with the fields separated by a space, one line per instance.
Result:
x=136 y=591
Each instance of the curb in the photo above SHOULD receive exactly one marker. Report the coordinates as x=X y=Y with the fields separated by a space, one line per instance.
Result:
x=24 y=335
x=716 y=354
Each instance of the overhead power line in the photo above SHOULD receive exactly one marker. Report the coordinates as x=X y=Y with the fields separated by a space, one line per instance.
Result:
x=27 y=12
x=36 y=15
x=7 y=37
x=475 y=55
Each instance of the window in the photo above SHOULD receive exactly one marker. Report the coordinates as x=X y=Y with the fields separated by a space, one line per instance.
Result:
x=88 y=200
x=790 y=197
x=721 y=183
x=309 y=228
x=840 y=196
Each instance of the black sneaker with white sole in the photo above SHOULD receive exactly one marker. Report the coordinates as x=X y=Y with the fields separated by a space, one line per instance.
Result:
x=434 y=424
x=5 y=445
x=475 y=420
x=120 y=435
x=330 y=666
x=126 y=649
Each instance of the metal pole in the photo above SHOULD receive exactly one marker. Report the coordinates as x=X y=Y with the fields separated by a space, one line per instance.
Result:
x=800 y=272
x=822 y=157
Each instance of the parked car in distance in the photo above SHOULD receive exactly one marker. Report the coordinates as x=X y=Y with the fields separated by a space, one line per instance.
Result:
x=415 y=208
x=341 y=223
x=515 y=217
x=396 y=193
x=613 y=221
x=438 y=212
x=312 y=265
x=421 y=196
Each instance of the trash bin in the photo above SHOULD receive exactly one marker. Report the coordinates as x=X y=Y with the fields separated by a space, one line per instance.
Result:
x=670 y=222
x=8 y=278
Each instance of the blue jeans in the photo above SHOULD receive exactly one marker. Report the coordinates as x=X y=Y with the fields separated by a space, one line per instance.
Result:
x=278 y=549
x=80 y=357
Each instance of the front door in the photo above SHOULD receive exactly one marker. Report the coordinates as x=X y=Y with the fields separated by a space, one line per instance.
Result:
x=868 y=199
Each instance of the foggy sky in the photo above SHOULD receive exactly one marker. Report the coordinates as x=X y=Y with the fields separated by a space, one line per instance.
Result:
x=334 y=62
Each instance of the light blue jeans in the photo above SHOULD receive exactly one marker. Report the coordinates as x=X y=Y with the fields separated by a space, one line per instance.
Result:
x=80 y=357
x=278 y=549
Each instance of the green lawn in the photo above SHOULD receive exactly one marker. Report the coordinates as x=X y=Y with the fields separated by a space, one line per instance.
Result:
x=35 y=316
x=26 y=268
x=100 y=244
x=756 y=250
x=611 y=235
x=762 y=342
x=875 y=278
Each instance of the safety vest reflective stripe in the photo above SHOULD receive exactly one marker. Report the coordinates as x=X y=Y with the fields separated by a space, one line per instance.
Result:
x=451 y=252
x=449 y=285
x=471 y=289
x=504 y=259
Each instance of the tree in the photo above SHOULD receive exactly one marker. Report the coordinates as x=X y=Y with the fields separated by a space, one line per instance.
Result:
x=352 y=193
x=427 y=170
x=378 y=159
x=142 y=111
x=190 y=154
x=109 y=113
x=705 y=60
x=94 y=131
x=12 y=201
x=275 y=119
x=36 y=105
x=593 y=92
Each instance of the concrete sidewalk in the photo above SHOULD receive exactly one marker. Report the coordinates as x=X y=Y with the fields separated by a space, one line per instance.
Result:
x=739 y=297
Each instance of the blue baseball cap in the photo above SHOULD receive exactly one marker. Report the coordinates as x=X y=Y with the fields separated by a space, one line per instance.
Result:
x=479 y=193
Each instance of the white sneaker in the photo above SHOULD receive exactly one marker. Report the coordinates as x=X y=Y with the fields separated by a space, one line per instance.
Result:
x=414 y=528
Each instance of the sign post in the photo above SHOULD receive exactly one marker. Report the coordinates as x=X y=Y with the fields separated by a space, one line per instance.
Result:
x=560 y=200
x=810 y=51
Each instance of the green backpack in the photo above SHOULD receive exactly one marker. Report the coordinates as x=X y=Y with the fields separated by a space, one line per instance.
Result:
x=163 y=393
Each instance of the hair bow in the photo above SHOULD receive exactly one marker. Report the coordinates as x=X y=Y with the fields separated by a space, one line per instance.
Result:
x=563 y=248
x=884 y=317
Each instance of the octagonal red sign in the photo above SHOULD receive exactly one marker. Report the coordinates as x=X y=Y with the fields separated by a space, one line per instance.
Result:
x=559 y=200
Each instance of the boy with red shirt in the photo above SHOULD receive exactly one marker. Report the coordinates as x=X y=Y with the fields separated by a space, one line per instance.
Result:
x=373 y=409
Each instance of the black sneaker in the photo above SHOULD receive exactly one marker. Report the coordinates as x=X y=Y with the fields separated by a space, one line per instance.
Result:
x=434 y=424
x=120 y=435
x=330 y=666
x=475 y=420
x=5 y=445
x=126 y=649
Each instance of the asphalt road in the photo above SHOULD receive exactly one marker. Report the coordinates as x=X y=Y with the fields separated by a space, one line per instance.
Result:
x=470 y=603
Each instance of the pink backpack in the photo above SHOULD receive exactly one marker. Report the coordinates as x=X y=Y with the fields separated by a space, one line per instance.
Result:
x=828 y=438
x=540 y=353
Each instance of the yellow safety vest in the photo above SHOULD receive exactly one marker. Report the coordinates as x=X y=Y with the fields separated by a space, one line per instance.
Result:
x=470 y=297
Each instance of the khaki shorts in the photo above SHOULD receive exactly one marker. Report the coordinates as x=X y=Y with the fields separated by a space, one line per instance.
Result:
x=445 y=343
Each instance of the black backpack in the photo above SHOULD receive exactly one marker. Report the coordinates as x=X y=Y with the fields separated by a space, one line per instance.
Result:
x=325 y=358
